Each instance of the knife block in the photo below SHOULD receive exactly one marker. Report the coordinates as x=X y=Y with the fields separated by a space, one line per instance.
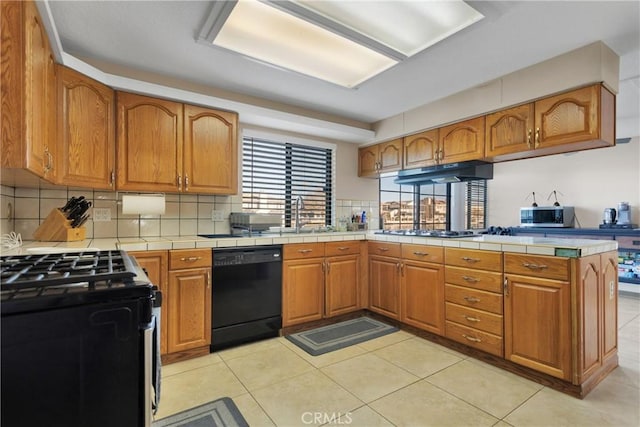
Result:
x=57 y=228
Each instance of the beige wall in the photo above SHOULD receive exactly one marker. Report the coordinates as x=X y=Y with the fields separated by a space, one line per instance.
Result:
x=590 y=181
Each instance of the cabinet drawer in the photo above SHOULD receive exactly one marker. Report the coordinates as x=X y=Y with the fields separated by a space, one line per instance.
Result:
x=475 y=338
x=477 y=319
x=628 y=242
x=189 y=258
x=303 y=250
x=547 y=267
x=423 y=253
x=384 y=249
x=342 y=248
x=481 y=300
x=483 y=260
x=477 y=279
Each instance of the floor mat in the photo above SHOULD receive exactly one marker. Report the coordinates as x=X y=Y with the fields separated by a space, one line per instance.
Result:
x=219 y=413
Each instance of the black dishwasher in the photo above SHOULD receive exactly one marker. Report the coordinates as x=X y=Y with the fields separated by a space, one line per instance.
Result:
x=246 y=296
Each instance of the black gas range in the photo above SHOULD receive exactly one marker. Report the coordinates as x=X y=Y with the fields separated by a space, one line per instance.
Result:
x=442 y=234
x=81 y=329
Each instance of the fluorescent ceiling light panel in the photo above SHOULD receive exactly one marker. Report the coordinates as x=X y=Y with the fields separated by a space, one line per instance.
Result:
x=406 y=26
x=343 y=42
x=260 y=31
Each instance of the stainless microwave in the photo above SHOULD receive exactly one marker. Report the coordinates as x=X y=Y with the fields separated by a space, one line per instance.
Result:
x=547 y=216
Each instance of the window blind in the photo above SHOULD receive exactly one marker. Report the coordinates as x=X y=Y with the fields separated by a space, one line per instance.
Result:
x=476 y=213
x=275 y=174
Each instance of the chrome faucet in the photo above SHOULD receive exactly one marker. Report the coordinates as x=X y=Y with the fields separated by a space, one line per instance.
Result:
x=298 y=205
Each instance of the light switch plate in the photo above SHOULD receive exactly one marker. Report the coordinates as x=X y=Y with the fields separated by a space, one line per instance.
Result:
x=101 y=214
x=217 y=215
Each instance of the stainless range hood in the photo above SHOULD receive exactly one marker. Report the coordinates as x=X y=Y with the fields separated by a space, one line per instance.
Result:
x=442 y=174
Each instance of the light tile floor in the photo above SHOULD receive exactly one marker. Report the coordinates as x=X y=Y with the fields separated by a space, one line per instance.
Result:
x=398 y=380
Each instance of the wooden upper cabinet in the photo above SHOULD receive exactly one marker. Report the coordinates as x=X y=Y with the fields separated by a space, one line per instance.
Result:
x=576 y=120
x=420 y=150
x=86 y=131
x=383 y=157
x=210 y=151
x=573 y=117
x=149 y=143
x=462 y=141
x=509 y=131
x=28 y=91
x=390 y=155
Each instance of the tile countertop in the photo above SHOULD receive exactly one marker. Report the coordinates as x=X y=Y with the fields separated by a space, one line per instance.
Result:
x=519 y=244
x=573 y=248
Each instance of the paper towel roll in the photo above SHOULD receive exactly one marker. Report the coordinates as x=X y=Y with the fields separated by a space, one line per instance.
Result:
x=149 y=204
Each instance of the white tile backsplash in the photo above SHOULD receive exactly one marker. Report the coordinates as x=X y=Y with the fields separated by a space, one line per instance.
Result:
x=185 y=214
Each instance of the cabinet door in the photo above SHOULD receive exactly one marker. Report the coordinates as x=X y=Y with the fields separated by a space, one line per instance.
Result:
x=384 y=286
x=210 y=151
x=538 y=324
x=149 y=142
x=368 y=161
x=420 y=150
x=302 y=291
x=86 y=131
x=568 y=117
x=589 y=302
x=390 y=155
x=422 y=296
x=462 y=141
x=189 y=309
x=155 y=264
x=342 y=286
x=509 y=131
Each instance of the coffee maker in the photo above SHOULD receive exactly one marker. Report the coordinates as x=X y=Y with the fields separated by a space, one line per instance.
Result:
x=624 y=213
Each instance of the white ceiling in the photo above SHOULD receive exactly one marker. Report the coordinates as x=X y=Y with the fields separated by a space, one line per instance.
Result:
x=159 y=37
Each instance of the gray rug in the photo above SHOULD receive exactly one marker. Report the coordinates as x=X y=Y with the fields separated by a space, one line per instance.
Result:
x=219 y=413
x=339 y=335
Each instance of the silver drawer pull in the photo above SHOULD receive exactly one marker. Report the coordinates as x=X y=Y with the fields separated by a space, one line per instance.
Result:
x=472 y=299
x=191 y=259
x=534 y=266
x=343 y=248
x=474 y=339
x=305 y=251
x=418 y=253
x=471 y=319
x=472 y=260
x=383 y=249
x=470 y=279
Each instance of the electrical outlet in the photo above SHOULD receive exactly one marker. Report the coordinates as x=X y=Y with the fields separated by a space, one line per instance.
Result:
x=217 y=215
x=101 y=214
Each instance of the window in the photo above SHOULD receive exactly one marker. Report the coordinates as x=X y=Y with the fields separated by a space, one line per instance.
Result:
x=406 y=207
x=276 y=174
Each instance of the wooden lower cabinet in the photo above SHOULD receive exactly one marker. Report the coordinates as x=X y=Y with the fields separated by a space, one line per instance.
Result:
x=538 y=324
x=302 y=290
x=422 y=296
x=189 y=309
x=341 y=285
x=315 y=286
x=155 y=263
x=384 y=286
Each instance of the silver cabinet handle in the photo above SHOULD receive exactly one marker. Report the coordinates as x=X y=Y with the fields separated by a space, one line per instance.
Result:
x=470 y=279
x=418 y=253
x=471 y=319
x=186 y=183
x=383 y=249
x=208 y=279
x=305 y=251
x=472 y=299
x=343 y=248
x=191 y=258
x=506 y=287
x=113 y=178
x=179 y=182
x=471 y=260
